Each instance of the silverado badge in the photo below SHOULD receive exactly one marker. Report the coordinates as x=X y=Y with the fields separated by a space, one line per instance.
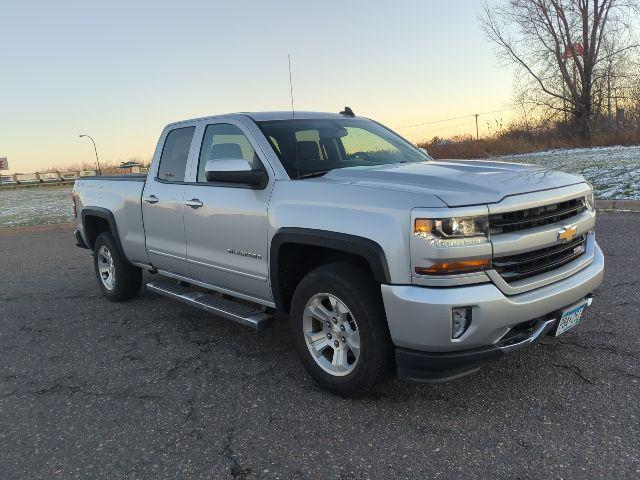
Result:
x=567 y=233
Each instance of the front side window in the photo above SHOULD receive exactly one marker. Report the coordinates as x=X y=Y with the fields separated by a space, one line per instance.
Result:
x=173 y=161
x=223 y=141
x=309 y=148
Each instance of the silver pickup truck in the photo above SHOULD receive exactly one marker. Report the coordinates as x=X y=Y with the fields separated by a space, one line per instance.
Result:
x=385 y=260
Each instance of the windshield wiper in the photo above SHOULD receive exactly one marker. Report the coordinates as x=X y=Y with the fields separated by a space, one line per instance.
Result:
x=314 y=174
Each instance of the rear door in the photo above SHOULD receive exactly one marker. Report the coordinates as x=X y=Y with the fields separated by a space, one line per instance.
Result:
x=163 y=203
x=226 y=226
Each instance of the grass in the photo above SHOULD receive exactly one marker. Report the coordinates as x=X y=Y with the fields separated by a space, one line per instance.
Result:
x=516 y=141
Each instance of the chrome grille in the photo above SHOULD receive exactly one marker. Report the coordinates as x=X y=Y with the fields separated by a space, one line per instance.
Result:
x=523 y=265
x=535 y=217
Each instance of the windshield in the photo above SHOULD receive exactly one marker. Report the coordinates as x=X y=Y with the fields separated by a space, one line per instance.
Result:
x=309 y=148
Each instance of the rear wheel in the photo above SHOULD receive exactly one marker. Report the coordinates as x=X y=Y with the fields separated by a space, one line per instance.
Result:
x=339 y=329
x=117 y=278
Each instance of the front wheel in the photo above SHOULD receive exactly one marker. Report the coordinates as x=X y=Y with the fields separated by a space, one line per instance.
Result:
x=339 y=329
x=117 y=278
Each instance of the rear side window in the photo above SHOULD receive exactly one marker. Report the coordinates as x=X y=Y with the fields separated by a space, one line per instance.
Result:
x=173 y=161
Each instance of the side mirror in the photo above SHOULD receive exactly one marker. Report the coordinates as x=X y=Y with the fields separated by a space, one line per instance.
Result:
x=235 y=170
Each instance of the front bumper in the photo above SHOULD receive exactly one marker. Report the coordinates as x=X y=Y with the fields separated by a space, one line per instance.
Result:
x=440 y=367
x=419 y=320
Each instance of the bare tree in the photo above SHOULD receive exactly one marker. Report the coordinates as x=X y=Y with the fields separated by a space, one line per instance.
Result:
x=631 y=101
x=565 y=49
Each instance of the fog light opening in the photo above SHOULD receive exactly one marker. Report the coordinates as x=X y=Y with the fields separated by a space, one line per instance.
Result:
x=460 y=321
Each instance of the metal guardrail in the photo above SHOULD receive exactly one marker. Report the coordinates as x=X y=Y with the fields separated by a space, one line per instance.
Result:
x=38 y=179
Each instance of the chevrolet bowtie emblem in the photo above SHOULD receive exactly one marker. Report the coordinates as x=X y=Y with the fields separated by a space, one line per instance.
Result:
x=567 y=233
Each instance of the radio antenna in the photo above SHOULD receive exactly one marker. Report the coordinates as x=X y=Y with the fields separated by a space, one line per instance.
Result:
x=293 y=110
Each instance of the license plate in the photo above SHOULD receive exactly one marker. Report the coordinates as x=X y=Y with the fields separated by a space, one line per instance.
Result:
x=570 y=318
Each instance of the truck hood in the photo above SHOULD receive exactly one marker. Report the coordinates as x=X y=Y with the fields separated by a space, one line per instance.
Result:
x=457 y=182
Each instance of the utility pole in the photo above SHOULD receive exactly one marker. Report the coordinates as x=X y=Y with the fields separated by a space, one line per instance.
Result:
x=477 y=132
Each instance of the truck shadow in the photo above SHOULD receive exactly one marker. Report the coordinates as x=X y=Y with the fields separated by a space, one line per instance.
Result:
x=541 y=378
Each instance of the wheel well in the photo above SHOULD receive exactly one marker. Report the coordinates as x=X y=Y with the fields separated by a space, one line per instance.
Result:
x=94 y=226
x=296 y=260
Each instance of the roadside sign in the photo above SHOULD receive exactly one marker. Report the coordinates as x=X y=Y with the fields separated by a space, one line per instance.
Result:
x=4 y=163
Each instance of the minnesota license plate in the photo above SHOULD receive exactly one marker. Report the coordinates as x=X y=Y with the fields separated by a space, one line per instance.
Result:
x=570 y=318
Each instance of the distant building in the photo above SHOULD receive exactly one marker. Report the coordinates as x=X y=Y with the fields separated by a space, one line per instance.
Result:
x=129 y=167
x=129 y=164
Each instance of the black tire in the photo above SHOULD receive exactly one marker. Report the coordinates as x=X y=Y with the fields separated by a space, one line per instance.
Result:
x=127 y=278
x=361 y=294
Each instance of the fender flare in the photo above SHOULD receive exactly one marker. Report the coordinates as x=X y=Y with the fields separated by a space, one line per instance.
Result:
x=363 y=247
x=106 y=215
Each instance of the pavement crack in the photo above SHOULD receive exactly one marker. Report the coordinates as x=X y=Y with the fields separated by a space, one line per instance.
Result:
x=70 y=385
x=30 y=329
x=575 y=369
x=624 y=373
x=114 y=336
x=237 y=470
x=65 y=385
x=192 y=417
x=179 y=365
x=131 y=358
x=619 y=284
x=600 y=347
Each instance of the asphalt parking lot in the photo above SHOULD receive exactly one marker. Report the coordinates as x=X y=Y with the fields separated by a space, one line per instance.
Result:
x=155 y=389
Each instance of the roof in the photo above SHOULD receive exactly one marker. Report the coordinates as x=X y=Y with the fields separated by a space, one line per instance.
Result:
x=266 y=116
x=288 y=115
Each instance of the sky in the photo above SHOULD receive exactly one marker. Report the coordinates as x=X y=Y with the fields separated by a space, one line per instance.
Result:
x=121 y=70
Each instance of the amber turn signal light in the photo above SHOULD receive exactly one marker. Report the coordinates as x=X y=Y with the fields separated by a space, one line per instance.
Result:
x=461 y=266
x=422 y=226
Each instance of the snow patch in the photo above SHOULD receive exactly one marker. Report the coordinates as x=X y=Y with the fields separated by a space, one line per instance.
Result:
x=614 y=172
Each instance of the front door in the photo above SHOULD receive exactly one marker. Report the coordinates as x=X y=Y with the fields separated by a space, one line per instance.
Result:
x=226 y=224
x=163 y=204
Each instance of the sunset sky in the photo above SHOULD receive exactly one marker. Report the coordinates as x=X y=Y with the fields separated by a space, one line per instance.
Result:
x=120 y=70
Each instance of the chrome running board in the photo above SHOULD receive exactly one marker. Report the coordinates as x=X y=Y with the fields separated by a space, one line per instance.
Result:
x=210 y=302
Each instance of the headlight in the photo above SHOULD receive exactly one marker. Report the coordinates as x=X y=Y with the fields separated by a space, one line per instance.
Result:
x=591 y=202
x=456 y=231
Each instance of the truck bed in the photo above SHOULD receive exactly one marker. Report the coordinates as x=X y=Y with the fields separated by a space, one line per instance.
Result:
x=118 y=196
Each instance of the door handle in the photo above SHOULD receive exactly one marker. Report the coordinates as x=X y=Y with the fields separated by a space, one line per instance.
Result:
x=151 y=199
x=194 y=203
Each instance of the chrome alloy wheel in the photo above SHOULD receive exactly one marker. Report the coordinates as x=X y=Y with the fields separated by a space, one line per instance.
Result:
x=331 y=334
x=106 y=268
